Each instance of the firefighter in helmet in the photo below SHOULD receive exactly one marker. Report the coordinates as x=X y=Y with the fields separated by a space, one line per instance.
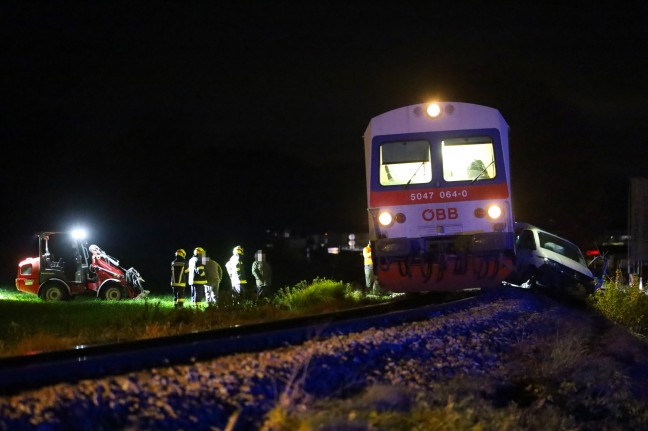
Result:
x=197 y=276
x=178 y=277
x=236 y=271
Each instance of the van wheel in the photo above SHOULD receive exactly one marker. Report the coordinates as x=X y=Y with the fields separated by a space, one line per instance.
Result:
x=53 y=292
x=112 y=292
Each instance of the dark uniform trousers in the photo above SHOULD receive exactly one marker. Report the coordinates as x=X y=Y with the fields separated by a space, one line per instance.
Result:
x=178 y=282
x=199 y=282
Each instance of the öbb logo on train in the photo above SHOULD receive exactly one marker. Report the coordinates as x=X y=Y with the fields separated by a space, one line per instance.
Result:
x=440 y=214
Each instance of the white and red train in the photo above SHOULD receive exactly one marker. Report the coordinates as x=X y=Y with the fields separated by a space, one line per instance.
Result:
x=439 y=197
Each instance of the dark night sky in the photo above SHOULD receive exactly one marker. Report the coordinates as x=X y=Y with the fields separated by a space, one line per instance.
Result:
x=183 y=123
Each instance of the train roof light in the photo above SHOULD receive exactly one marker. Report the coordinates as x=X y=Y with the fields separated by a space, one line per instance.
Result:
x=433 y=110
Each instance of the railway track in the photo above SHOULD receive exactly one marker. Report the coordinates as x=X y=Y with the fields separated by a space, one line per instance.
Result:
x=93 y=362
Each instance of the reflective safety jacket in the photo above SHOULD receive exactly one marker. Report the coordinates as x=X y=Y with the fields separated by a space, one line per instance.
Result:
x=178 y=271
x=366 y=252
x=236 y=271
x=196 y=268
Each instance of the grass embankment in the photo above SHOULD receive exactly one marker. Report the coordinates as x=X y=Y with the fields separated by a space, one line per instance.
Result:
x=626 y=305
x=30 y=325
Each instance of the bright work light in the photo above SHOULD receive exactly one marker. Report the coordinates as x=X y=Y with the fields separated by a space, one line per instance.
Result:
x=78 y=234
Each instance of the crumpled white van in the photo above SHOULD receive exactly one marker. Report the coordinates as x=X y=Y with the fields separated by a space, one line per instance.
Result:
x=543 y=259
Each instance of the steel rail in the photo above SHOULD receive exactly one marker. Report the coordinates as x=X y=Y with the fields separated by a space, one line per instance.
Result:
x=19 y=373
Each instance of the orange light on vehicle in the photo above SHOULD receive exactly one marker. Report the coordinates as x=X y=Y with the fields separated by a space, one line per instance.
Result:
x=480 y=213
x=400 y=218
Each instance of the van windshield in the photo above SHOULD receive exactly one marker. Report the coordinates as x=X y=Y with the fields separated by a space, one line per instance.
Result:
x=561 y=246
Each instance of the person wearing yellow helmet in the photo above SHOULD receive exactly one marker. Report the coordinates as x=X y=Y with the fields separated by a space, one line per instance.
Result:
x=197 y=278
x=178 y=278
x=236 y=271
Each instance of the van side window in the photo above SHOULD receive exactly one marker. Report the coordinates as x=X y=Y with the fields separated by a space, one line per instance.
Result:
x=526 y=241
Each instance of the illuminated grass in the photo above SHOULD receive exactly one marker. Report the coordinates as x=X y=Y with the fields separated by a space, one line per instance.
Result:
x=625 y=305
x=30 y=325
x=320 y=293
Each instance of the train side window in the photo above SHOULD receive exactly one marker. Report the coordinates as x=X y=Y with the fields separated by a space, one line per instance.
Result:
x=405 y=162
x=468 y=159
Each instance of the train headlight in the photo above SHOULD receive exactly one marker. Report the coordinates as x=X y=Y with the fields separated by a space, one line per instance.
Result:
x=385 y=219
x=433 y=110
x=494 y=211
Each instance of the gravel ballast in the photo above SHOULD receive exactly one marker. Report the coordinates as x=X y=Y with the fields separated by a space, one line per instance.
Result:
x=494 y=340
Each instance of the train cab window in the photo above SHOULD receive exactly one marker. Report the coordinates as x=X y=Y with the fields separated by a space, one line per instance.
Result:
x=405 y=162
x=468 y=159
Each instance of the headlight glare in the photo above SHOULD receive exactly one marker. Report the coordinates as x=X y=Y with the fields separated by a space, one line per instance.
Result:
x=385 y=218
x=494 y=211
x=433 y=110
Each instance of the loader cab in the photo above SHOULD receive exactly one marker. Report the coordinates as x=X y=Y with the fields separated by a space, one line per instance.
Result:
x=63 y=258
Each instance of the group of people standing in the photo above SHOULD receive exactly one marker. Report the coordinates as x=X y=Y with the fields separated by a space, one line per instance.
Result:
x=204 y=276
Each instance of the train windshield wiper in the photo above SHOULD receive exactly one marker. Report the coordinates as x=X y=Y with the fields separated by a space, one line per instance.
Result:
x=482 y=172
x=414 y=174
